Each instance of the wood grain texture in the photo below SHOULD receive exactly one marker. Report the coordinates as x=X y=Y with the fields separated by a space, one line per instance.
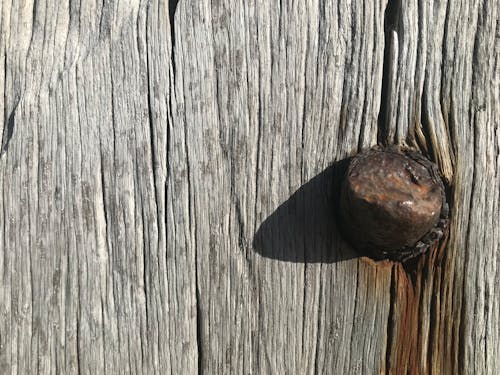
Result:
x=168 y=174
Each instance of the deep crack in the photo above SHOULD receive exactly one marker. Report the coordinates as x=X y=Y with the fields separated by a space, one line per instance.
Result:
x=391 y=18
x=172 y=9
x=8 y=130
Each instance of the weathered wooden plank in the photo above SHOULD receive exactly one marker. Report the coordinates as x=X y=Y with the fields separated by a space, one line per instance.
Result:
x=168 y=178
x=84 y=282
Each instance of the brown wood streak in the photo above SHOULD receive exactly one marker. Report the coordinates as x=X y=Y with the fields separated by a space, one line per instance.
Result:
x=416 y=288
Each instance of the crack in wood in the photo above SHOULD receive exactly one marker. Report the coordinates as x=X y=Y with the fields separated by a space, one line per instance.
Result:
x=391 y=17
x=172 y=9
x=390 y=330
x=8 y=131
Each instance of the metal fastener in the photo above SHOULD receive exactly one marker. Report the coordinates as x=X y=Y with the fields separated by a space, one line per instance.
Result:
x=392 y=203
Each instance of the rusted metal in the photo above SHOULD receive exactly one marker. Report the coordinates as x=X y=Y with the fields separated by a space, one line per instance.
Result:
x=392 y=204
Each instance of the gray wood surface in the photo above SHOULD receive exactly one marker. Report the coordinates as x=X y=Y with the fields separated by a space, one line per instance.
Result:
x=168 y=174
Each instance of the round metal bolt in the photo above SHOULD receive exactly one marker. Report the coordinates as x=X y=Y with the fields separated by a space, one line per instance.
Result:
x=392 y=203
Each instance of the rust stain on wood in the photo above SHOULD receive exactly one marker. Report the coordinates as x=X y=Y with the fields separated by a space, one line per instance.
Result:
x=417 y=341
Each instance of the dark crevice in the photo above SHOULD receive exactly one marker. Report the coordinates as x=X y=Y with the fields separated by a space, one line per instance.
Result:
x=8 y=130
x=411 y=269
x=103 y=335
x=391 y=17
x=429 y=151
x=170 y=119
x=172 y=8
x=5 y=121
x=104 y=207
x=9 y=122
x=390 y=323
x=242 y=243
x=199 y=327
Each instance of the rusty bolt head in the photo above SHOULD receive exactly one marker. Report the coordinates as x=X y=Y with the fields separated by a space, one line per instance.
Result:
x=392 y=203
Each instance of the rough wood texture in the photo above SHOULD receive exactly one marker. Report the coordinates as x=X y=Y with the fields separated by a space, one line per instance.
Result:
x=168 y=174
